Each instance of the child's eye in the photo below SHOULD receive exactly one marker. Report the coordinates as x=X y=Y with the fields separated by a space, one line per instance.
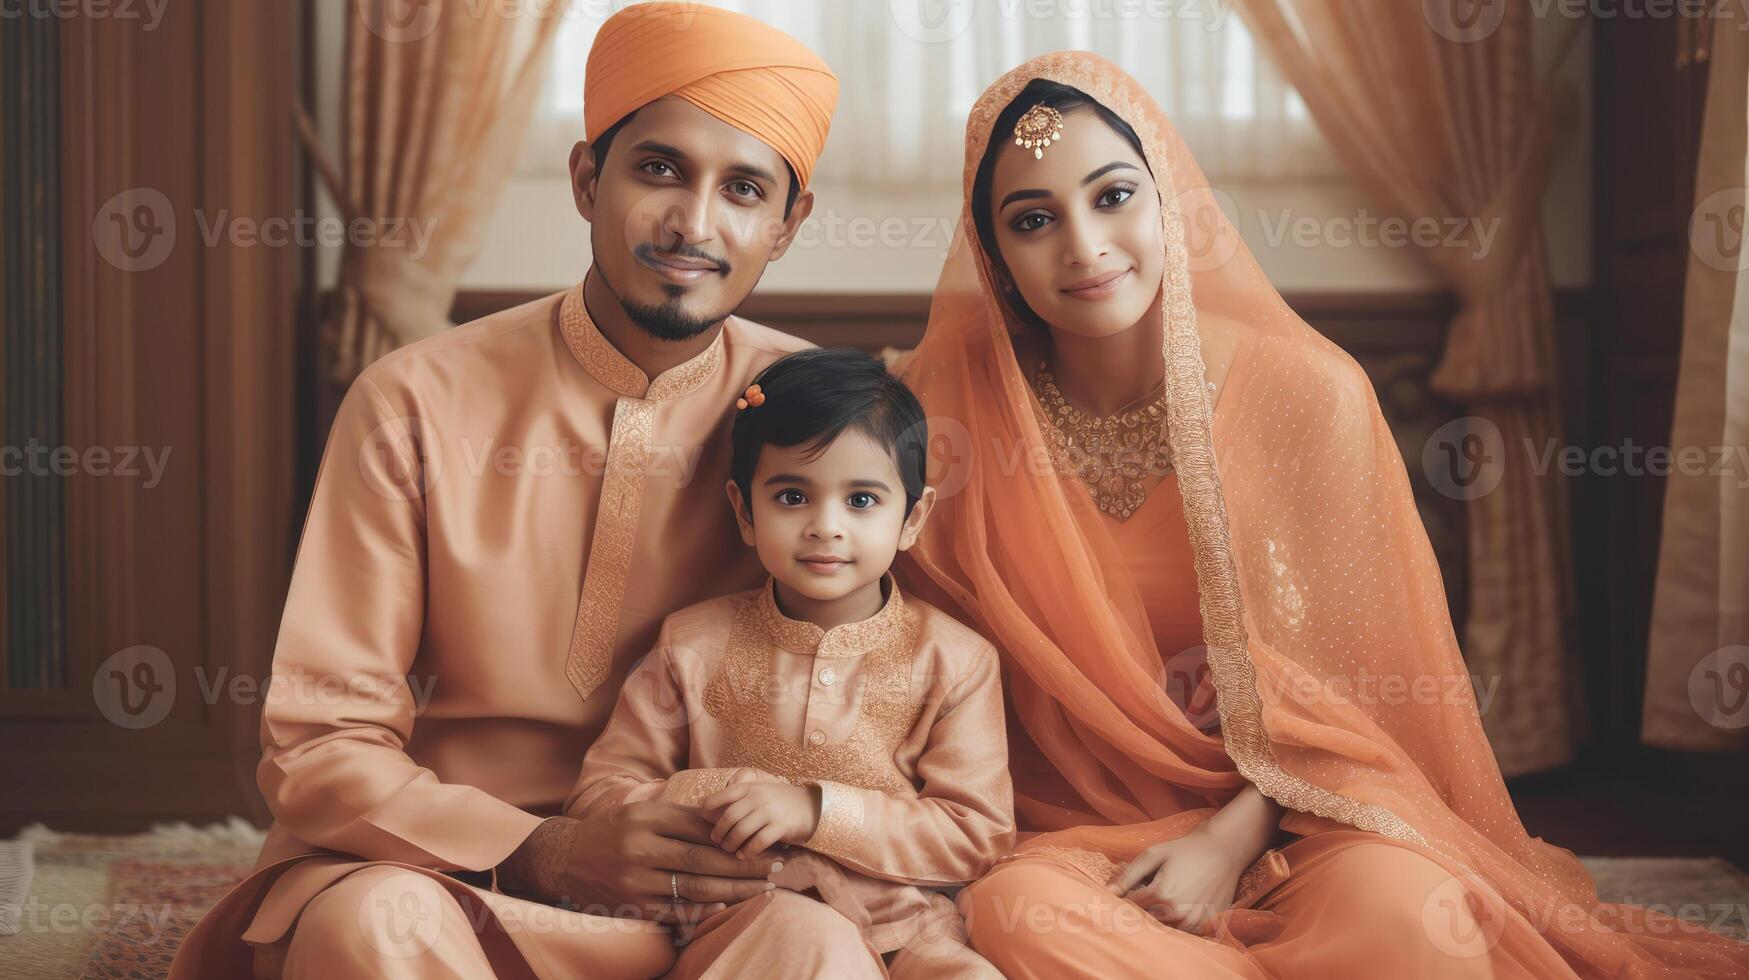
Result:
x=791 y=498
x=863 y=500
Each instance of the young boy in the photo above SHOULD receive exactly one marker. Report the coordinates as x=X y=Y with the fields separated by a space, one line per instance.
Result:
x=827 y=711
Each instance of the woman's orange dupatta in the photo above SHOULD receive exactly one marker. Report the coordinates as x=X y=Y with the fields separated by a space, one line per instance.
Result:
x=1342 y=692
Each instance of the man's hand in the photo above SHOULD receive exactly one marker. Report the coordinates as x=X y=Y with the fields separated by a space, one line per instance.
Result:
x=751 y=817
x=623 y=858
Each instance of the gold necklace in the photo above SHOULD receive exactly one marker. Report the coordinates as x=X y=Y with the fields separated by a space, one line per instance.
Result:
x=1116 y=456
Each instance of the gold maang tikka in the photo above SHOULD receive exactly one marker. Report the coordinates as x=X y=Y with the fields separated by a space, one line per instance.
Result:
x=1038 y=129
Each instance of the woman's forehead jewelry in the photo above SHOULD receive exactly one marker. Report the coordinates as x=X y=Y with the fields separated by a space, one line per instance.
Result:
x=1041 y=126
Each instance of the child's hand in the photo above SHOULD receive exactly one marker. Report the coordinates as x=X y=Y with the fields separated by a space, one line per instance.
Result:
x=751 y=817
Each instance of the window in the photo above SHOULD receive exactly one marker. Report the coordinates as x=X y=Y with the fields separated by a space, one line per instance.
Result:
x=910 y=71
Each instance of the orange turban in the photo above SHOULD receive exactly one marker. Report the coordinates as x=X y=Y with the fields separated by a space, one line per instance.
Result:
x=750 y=75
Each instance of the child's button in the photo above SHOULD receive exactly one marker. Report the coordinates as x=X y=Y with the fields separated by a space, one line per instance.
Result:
x=817 y=737
x=827 y=676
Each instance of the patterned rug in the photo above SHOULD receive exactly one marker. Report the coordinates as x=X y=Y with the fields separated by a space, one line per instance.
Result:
x=116 y=907
x=102 y=907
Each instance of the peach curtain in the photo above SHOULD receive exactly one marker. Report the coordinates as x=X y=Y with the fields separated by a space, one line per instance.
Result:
x=436 y=98
x=1697 y=682
x=1437 y=116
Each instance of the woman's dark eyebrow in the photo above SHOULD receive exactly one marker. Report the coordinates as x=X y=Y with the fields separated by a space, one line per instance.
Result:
x=1025 y=195
x=1031 y=194
x=1108 y=168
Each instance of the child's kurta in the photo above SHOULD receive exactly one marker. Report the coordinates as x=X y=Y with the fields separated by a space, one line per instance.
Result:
x=897 y=718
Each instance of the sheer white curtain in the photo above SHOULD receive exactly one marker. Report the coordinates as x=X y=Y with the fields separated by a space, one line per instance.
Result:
x=911 y=69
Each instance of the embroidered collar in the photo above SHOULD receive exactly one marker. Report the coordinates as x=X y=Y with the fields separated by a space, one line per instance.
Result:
x=847 y=640
x=605 y=362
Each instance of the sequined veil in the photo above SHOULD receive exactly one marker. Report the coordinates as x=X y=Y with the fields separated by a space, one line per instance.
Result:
x=1342 y=692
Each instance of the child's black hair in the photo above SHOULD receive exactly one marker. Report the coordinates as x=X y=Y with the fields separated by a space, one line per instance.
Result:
x=813 y=396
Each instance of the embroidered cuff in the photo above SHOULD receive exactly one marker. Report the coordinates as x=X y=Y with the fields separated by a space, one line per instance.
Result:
x=841 y=815
x=690 y=787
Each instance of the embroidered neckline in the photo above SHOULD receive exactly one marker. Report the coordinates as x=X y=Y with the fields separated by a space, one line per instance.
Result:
x=606 y=364
x=845 y=640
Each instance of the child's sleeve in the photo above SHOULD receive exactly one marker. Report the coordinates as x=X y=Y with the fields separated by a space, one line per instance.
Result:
x=963 y=817
x=643 y=751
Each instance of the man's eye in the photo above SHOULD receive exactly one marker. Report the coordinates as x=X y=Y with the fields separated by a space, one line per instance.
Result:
x=745 y=188
x=656 y=168
x=791 y=498
x=863 y=501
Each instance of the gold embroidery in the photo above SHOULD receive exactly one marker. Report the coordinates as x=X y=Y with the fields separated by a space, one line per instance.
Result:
x=841 y=815
x=1091 y=863
x=610 y=548
x=1261 y=878
x=737 y=697
x=590 y=659
x=690 y=787
x=1189 y=421
x=1117 y=456
x=846 y=640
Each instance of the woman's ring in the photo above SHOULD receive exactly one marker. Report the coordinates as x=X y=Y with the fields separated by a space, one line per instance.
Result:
x=674 y=887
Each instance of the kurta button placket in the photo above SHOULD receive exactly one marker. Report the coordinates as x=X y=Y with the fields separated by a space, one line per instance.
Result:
x=590 y=659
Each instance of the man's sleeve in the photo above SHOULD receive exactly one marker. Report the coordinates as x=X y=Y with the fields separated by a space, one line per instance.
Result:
x=339 y=713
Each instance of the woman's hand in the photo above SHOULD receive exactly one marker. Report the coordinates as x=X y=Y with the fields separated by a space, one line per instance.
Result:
x=1188 y=881
x=1184 y=882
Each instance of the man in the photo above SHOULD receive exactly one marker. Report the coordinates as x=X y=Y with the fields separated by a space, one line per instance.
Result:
x=503 y=516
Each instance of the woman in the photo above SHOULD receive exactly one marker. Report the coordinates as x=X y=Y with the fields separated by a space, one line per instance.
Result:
x=1147 y=452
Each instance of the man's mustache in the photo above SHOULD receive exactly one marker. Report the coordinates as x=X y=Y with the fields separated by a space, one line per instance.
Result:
x=649 y=253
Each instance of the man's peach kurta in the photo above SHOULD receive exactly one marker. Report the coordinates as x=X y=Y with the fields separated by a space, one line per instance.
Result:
x=897 y=718
x=503 y=516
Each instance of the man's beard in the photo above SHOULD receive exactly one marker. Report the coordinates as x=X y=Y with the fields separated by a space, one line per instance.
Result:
x=668 y=320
